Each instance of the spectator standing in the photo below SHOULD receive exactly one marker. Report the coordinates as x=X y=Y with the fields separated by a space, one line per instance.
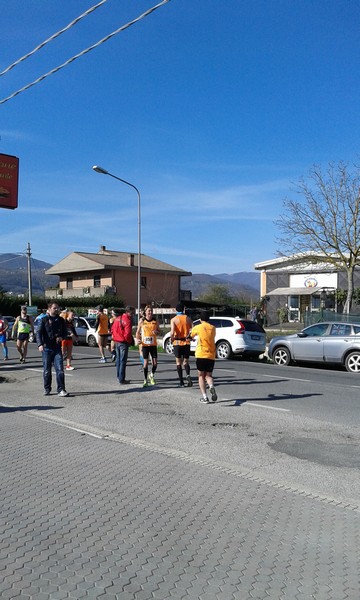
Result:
x=180 y=327
x=123 y=338
x=114 y=314
x=22 y=328
x=68 y=342
x=254 y=313
x=102 y=329
x=50 y=334
x=148 y=329
x=4 y=326
x=205 y=355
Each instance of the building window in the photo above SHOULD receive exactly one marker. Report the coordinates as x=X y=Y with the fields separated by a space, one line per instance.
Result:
x=69 y=283
x=143 y=282
x=315 y=302
x=97 y=281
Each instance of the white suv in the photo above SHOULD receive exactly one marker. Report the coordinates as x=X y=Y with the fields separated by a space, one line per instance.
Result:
x=233 y=336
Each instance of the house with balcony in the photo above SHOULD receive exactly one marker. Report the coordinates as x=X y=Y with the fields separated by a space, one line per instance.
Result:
x=300 y=283
x=109 y=272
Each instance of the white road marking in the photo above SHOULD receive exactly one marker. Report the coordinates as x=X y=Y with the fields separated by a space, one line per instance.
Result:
x=268 y=407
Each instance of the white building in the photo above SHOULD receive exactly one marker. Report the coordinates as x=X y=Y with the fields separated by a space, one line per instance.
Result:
x=298 y=284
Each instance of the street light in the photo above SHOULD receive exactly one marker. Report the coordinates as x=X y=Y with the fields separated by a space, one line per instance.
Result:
x=104 y=172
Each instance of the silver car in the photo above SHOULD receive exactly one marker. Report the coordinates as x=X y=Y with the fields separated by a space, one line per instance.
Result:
x=334 y=342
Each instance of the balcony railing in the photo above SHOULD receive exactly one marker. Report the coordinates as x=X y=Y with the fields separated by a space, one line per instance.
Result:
x=81 y=292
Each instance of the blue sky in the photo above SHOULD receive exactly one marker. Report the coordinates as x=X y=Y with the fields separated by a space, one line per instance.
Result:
x=211 y=108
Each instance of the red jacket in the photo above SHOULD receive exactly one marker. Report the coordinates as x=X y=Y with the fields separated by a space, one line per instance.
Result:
x=121 y=329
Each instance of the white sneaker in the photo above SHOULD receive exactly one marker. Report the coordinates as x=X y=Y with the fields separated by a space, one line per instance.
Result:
x=204 y=400
x=63 y=394
x=69 y=368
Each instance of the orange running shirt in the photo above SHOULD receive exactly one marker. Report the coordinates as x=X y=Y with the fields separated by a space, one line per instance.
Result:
x=206 y=340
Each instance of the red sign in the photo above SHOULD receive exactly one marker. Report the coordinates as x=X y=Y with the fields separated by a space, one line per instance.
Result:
x=9 y=177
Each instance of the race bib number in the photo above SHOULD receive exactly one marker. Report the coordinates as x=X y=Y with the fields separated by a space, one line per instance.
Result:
x=148 y=340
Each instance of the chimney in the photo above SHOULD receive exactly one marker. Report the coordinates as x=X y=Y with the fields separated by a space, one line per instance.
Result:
x=130 y=260
x=102 y=249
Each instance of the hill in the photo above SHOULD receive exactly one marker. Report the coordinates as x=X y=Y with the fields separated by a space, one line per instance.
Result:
x=14 y=274
x=244 y=283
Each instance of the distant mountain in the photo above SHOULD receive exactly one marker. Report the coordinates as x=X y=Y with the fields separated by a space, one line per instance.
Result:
x=247 y=278
x=14 y=274
x=244 y=283
x=14 y=278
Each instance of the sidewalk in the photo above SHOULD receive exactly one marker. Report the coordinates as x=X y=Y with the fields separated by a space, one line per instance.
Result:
x=88 y=513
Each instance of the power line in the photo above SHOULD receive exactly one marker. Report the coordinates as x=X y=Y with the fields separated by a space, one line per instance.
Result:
x=53 y=37
x=105 y=39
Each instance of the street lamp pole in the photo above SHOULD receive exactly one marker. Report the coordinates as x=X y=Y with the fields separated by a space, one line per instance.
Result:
x=105 y=172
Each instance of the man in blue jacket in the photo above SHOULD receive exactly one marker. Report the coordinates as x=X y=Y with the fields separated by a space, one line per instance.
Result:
x=51 y=332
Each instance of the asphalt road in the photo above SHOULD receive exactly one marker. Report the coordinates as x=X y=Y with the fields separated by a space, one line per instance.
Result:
x=296 y=427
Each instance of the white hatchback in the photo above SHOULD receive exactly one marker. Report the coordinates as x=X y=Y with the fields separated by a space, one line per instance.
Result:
x=234 y=336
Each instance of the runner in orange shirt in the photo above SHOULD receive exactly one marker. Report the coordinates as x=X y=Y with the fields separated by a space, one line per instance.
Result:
x=205 y=355
x=180 y=327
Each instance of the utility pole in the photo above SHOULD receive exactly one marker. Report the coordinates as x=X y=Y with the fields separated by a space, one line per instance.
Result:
x=28 y=254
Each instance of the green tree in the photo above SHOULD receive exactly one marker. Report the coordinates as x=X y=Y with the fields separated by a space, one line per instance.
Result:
x=325 y=223
x=217 y=293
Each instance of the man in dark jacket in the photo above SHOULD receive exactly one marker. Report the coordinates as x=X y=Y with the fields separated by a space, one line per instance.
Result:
x=51 y=332
x=122 y=335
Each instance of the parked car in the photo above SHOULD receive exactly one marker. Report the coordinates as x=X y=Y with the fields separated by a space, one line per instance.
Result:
x=333 y=342
x=233 y=336
x=85 y=330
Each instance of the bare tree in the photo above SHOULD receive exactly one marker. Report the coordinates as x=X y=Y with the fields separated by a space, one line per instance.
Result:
x=160 y=295
x=325 y=224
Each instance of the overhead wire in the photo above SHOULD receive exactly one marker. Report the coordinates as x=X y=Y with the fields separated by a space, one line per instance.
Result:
x=53 y=37
x=80 y=54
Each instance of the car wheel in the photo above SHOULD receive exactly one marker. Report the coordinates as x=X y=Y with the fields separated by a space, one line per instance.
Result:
x=92 y=341
x=352 y=362
x=223 y=350
x=281 y=356
x=169 y=347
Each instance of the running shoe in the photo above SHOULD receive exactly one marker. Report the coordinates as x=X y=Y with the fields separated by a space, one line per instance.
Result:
x=213 y=394
x=102 y=360
x=151 y=379
x=204 y=400
x=69 y=368
x=145 y=384
x=189 y=380
x=63 y=394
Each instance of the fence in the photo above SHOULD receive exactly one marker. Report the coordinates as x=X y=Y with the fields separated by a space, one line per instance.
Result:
x=329 y=315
